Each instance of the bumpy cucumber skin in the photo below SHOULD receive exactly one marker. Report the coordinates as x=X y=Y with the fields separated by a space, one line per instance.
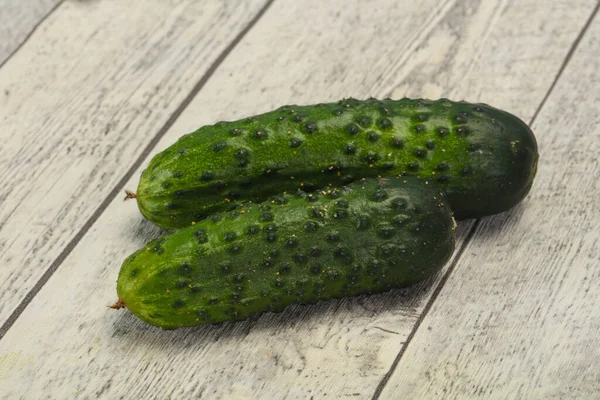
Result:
x=483 y=158
x=368 y=237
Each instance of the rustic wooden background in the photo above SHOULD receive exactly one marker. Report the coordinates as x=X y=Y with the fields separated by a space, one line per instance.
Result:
x=91 y=89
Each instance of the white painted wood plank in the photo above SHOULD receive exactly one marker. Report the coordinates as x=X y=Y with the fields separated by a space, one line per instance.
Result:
x=67 y=342
x=79 y=103
x=520 y=315
x=18 y=18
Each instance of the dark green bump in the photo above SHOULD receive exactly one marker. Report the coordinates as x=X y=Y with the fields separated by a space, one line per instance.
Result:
x=460 y=119
x=300 y=258
x=466 y=171
x=333 y=237
x=181 y=284
x=430 y=144
x=279 y=282
x=180 y=152
x=375 y=267
x=300 y=293
x=178 y=303
x=239 y=278
x=133 y=272
x=399 y=204
x=213 y=300
x=310 y=127
x=420 y=117
x=260 y=134
x=266 y=217
x=245 y=302
x=291 y=242
x=295 y=143
x=397 y=142
x=373 y=136
x=362 y=223
x=219 y=146
x=185 y=269
x=413 y=166
x=284 y=269
x=203 y=314
x=461 y=131
x=419 y=152
x=314 y=252
x=172 y=206
x=264 y=207
x=216 y=218
x=217 y=185
x=332 y=275
x=443 y=179
x=230 y=236
x=364 y=120
x=474 y=147
x=235 y=132
x=442 y=132
x=356 y=268
x=316 y=269
x=388 y=165
x=386 y=231
x=352 y=129
x=341 y=204
x=302 y=282
x=384 y=123
x=271 y=237
x=235 y=248
x=225 y=266
x=267 y=262
x=274 y=253
x=207 y=176
x=350 y=148
x=337 y=112
x=387 y=250
x=310 y=226
x=235 y=297
x=419 y=128
x=343 y=254
x=340 y=214
x=371 y=157
x=270 y=228
x=177 y=174
x=442 y=167
x=400 y=220
x=194 y=289
x=311 y=197
x=379 y=195
x=178 y=193
x=166 y=185
x=317 y=212
x=252 y=229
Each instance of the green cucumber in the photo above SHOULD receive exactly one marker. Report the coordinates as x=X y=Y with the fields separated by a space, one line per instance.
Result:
x=483 y=158
x=370 y=236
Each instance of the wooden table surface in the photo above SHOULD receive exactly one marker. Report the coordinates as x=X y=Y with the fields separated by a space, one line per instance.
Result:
x=90 y=90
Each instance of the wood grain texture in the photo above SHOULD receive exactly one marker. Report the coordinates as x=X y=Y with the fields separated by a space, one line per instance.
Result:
x=520 y=315
x=68 y=343
x=113 y=73
x=18 y=19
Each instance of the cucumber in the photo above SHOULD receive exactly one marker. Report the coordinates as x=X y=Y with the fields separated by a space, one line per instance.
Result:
x=367 y=237
x=483 y=158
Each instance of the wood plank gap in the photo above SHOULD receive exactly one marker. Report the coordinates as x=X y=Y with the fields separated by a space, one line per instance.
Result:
x=30 y=34
x=565 y=62
x=473 y=228
x=117 y=189
x=428 y=306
